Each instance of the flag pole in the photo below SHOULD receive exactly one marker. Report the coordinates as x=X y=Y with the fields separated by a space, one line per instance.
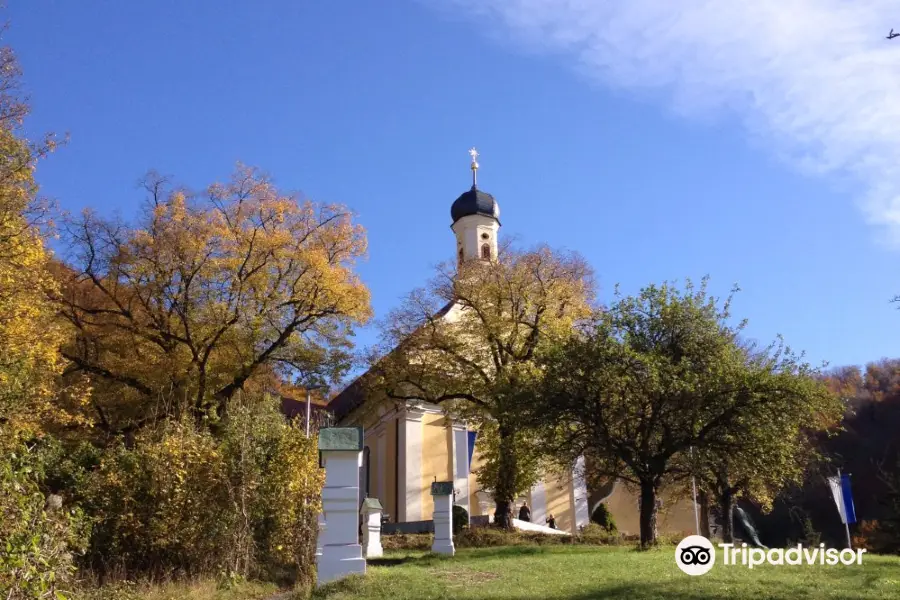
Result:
x=694 y=491
x=308 y=409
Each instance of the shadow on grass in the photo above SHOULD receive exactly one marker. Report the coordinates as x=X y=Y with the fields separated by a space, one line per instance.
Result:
x=880 y=581
x=521 y=551
x=658 y=591
x=419 y=559
x=398 y=558
x=393 y=561
x=640 y=592
x=503 y=552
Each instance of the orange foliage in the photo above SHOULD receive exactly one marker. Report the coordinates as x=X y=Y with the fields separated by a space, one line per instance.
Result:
x=203 y=294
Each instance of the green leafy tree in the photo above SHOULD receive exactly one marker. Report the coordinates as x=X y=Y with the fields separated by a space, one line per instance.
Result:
x=651 y=377
x=470 y=342
x=772 y=445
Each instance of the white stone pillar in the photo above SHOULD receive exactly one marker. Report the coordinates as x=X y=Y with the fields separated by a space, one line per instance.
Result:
x=409 y=502
x=341 y=455
x=580 y=496
x=442 y=491
x=371 y=528
x=320 y=536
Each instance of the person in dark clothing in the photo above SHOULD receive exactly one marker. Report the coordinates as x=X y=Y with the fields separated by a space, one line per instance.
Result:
x=525 y=513
x=551 y=522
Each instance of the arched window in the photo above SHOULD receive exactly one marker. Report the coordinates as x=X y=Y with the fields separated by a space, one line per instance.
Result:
x=485 y=252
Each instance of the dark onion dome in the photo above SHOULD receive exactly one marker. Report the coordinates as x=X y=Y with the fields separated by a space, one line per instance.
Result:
x=475 y=202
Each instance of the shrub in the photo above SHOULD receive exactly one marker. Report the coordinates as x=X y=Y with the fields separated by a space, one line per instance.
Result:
x=492 y=537
x=289 y=503
x=460 y=519
x=39 y=535
x=604 y=518
x=487 y=537
x=242 y=503
x=875 y=537
x=811 y=537
x=596 y=535
x=156 y=506
x=407 y=541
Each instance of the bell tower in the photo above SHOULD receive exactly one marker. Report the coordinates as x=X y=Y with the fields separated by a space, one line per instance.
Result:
x=476 y=221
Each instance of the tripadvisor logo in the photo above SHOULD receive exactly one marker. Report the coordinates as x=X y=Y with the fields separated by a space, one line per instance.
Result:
x=695 y=555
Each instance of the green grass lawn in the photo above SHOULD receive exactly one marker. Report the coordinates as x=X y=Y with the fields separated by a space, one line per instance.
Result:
x=205 y=589
x=588 y=572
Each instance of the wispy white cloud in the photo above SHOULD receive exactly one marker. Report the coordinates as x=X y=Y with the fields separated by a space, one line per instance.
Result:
x=816 y=77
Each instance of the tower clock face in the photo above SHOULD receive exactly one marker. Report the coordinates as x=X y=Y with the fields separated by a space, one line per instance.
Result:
x=485 y=236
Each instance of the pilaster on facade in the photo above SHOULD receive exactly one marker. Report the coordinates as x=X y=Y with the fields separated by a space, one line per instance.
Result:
x=409 y=426
x=460 y=458
x=580 y=495
x=381 y=465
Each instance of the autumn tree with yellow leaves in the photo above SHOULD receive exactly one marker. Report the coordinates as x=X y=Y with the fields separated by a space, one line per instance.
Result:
x=38 y=536
x=177 y=312
x=29 y=336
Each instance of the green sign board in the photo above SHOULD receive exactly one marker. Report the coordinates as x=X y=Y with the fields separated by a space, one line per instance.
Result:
x=442 y=488
x=341 y=438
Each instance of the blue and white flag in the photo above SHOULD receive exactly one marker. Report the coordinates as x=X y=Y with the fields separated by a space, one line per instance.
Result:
x=472 y=436
x=843 y=497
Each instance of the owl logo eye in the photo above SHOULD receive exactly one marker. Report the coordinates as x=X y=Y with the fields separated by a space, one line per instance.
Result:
x=695 y=555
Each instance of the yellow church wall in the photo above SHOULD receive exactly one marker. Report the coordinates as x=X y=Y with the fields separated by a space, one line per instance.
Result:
x=378 y=458
x=622 y=503
x=477 y=461
x=380 y=437
x=558 y=493
x=435 y=458
x=675 y=517
x=389 y=502
x=448 y=444
x=376 y=472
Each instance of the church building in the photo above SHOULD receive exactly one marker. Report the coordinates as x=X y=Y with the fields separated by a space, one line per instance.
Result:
x=408 y=447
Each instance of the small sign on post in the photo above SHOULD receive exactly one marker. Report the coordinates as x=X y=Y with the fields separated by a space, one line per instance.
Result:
x=442 y=492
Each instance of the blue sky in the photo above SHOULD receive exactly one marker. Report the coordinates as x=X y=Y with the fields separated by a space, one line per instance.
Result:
x=638 y=136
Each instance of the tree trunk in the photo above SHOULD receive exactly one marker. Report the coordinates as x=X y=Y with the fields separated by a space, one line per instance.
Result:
x=505 y=488
x=703 y=501
x=726 y=503
x=503 y=514
x=648 y=514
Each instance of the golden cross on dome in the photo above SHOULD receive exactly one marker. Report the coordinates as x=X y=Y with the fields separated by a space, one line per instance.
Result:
x=474 y=154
